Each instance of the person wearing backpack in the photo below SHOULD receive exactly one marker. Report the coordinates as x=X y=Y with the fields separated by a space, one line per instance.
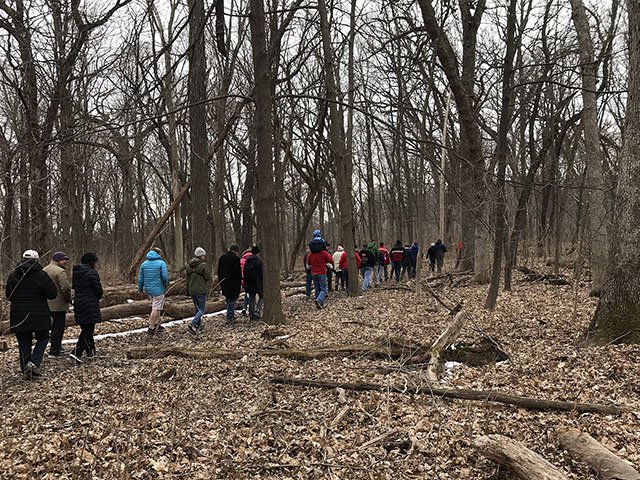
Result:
x=253 y=276
x=397 y=259
x=198 y=282
x=230 y=277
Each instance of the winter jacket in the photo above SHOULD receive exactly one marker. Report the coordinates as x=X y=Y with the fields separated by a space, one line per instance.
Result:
x=87 y=294
x=373 y=248
x=153 y=276
x=397 y=253
x=28 y=289
x=439 y=250
x=253 y=275
x=431 y=253
x=384 y=256
x=344 y=262
x=336 y=259
x=58 y=274
x=318 y=262
x=367 y=258
x=407 y=256
x=413 y=251
x=198 y=277
x=230 y=275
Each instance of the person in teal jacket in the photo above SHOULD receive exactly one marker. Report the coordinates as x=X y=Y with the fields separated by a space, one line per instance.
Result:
x=153 y=279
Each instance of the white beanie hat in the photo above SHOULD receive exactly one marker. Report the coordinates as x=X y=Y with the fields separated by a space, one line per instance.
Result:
x=200 y=252
x=31 y=254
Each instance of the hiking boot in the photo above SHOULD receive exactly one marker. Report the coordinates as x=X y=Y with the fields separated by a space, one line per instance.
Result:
x=31 y=371
x=159 y=328
x=193 y=330
x=151 y=331
x=318 y=304
x=244 y=313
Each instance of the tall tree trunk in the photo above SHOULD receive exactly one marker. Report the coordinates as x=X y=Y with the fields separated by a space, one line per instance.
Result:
x=617 y=317
x=341 y=155
x=594 y=195
x=268 y=229
x=200 y=170
x=502 y=152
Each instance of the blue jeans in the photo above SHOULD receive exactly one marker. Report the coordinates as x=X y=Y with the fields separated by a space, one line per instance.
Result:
x=25 y=344
x=200 y=302
x=231 y=308
x=309 y=280
x=367 y=272
x=245 y=302
x=320 y=287
x=396 y=267
x=383 y=268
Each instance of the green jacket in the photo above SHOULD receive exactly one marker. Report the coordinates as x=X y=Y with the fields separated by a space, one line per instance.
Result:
x=198 y=277
x=58 y=274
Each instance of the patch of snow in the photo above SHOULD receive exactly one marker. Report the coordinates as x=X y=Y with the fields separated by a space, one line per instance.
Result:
x=170 y=324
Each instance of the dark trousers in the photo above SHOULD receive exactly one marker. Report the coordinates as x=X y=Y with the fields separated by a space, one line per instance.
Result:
x=345 y=279
x=85 y=342
x=396 y=268
x=29 y=353
x=340 y=280
x=57 y=332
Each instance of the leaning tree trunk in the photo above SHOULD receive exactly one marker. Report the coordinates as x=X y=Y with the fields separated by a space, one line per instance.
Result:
x=617 y=318
x=268 y=229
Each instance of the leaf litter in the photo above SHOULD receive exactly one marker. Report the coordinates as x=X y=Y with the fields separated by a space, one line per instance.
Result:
x=172 y=417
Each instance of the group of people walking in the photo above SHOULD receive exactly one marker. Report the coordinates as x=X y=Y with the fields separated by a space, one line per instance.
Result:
x=372 y=260
x=40 y=297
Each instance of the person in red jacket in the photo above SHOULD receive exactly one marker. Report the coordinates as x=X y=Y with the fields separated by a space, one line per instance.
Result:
x=318 y=268
x=397 y=259
x=344 y=264
x=383 y=263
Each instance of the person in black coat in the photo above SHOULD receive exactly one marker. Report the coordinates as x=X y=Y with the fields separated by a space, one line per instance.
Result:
x=230 y=277
x=86 y=304
x=253 y=283
x=28 y=289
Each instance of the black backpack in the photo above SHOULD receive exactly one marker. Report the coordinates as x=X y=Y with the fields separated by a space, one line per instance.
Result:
x=316 y=245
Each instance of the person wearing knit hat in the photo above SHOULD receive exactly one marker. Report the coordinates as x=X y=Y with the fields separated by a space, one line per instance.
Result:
x=28 y=288
x=86 y=304
x=198 y=283
x=340 y=280
x=58 y=306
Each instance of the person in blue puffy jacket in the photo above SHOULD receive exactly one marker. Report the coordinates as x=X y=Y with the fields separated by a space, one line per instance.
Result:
x=153 y=279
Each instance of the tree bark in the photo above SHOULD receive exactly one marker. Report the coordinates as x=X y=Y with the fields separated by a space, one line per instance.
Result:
x=500 y=234
x=594 y=195
x=517 y=458
x=617 y=317
x=451 y=333
x=476 y=395
x=268 y=228
x=341 y=156
x=584 y=448
x=197 y=94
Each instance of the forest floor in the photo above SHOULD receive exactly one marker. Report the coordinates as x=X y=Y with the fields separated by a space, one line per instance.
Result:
x=202 y=419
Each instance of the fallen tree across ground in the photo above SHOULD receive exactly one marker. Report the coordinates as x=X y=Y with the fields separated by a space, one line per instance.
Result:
x=181 y=309
x=584 y=448
x=462 y=394
x=517 y=458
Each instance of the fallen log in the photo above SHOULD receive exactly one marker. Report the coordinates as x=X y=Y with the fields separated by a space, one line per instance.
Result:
x=584 y=448
x=182 y=309
x=392 y=349
x=462 y=394
x=517 y=458
x=436 y=362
